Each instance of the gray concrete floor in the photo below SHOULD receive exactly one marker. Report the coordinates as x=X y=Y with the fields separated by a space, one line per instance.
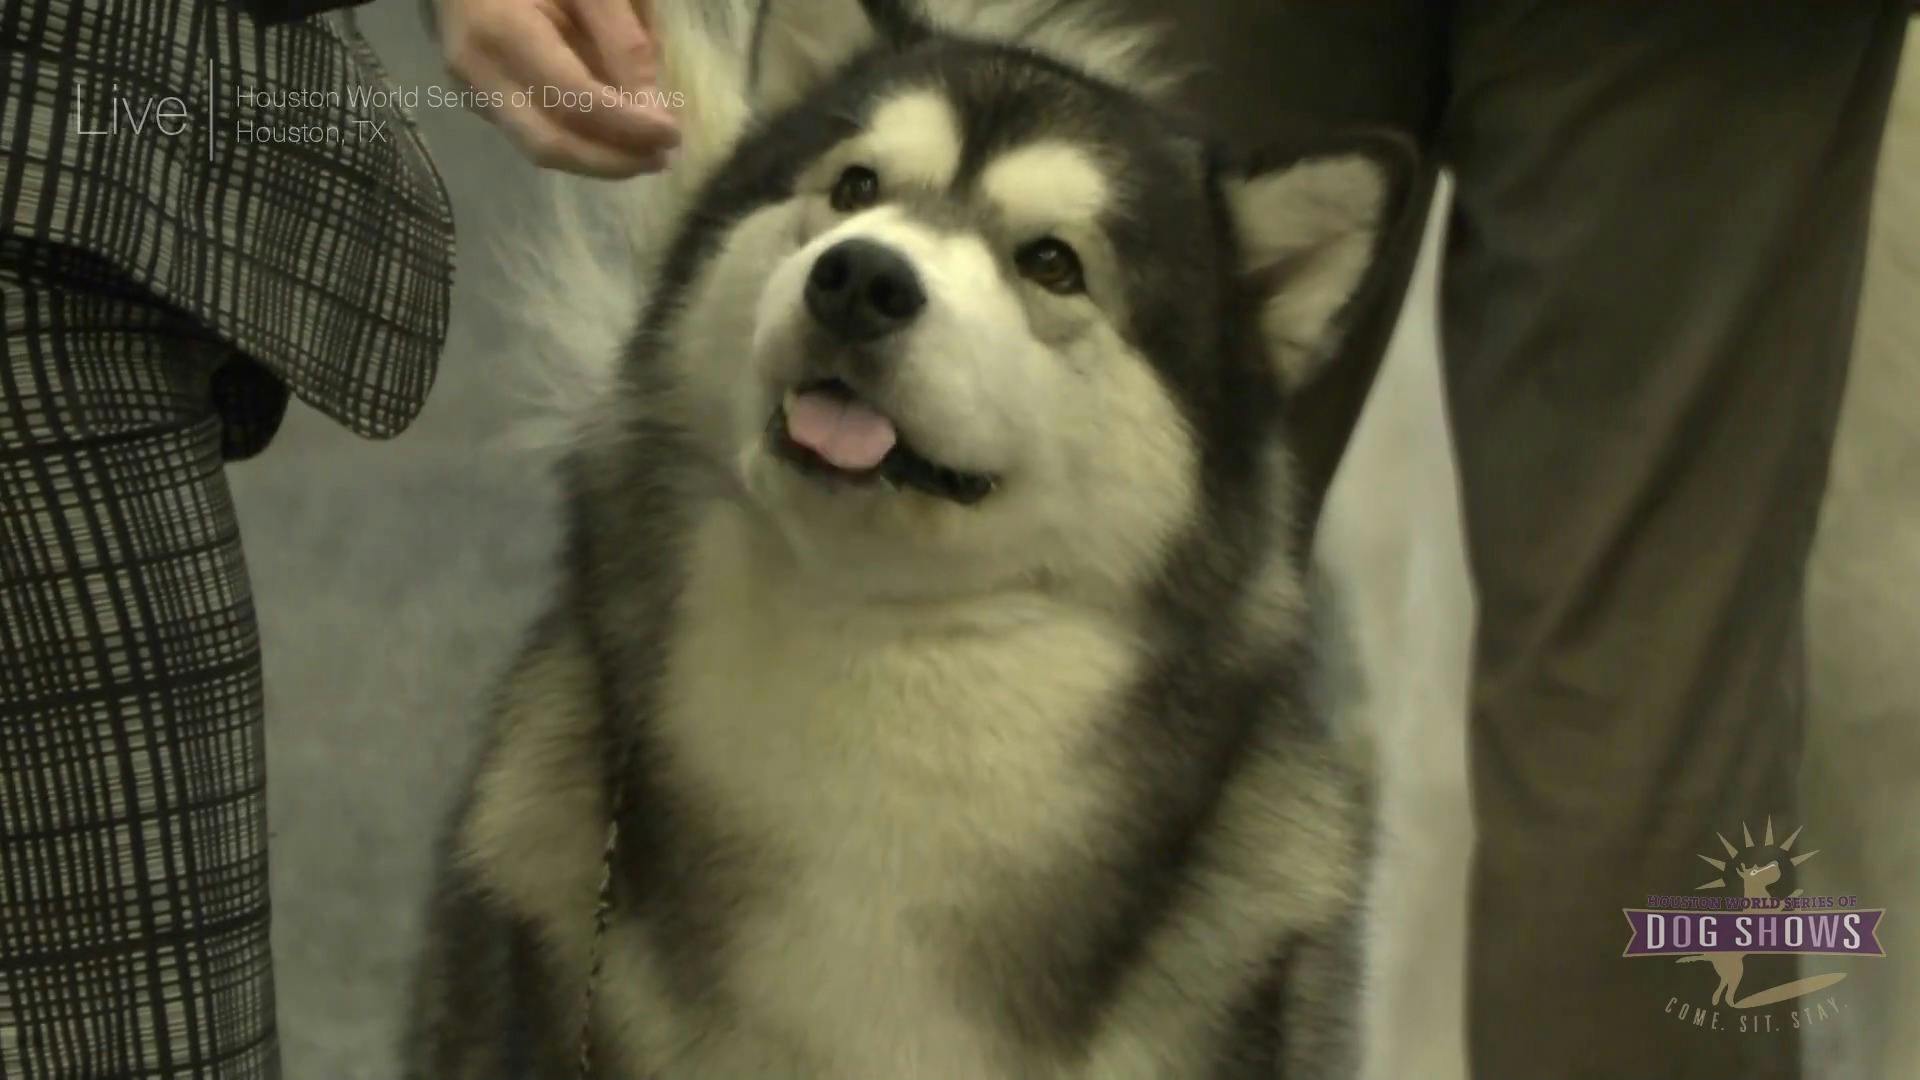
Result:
x=393 y=581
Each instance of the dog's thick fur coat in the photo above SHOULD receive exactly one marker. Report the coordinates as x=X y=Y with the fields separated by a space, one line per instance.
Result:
x=909 y=785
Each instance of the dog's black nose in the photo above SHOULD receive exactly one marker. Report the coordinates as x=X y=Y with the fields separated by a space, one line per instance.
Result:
x=859 y=290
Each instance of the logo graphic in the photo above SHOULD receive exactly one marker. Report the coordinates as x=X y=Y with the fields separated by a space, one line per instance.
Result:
x=1738 y=916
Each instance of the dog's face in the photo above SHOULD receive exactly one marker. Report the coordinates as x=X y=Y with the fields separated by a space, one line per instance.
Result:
x=960 y=316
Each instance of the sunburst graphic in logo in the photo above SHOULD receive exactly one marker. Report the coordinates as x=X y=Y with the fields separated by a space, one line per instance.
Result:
x=1756 y=870
x=1757 y=867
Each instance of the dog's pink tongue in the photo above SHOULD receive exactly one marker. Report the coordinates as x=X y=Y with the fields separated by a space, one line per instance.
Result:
x=846 y=434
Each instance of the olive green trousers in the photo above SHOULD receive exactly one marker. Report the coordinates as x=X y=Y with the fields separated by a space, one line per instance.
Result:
x=1648 y=292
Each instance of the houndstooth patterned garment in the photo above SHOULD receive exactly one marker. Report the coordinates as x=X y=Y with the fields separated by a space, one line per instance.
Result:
x=161 y=292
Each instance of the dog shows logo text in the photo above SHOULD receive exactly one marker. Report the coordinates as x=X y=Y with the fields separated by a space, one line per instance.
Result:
x=1737 y=918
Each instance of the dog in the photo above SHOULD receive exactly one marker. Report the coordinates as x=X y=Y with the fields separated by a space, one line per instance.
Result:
x=929 y=689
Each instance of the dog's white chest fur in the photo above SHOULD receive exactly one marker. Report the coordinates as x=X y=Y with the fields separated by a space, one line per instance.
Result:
x=894 y=776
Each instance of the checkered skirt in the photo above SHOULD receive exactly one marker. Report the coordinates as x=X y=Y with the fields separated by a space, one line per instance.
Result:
x=133 y=874
x=161 y=292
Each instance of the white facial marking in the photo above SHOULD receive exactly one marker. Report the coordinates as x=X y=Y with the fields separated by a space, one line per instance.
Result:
x=712 y=395
x=1048 y=186
x=916 y=138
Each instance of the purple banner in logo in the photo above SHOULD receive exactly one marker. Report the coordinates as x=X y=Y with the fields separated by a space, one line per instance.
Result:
x=1684 y=933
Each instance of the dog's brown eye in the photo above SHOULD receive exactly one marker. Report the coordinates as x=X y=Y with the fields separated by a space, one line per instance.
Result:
x=1052 y=265
x=857 y=188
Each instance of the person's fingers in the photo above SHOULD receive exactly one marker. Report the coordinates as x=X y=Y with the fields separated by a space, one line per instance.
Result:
x=534 y=129
x=551 y=146
x=638 y=87
x=574 y=120
x=621 y=49
x=543 y=63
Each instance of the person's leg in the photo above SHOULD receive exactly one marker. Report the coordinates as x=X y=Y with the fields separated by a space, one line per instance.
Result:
x=1647 y=309
x=1261 y=69
x=133 y=876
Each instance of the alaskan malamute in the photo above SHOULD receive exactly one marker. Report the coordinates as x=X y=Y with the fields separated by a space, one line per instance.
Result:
x=933 y=626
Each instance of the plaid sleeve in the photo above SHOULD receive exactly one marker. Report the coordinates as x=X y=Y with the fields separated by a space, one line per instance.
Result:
x=286 y=203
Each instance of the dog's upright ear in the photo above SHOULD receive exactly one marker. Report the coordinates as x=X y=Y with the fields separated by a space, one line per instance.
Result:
x=798 y=44
x=1310 y=226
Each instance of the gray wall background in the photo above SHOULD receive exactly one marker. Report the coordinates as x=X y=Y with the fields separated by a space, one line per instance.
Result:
x=393 y=582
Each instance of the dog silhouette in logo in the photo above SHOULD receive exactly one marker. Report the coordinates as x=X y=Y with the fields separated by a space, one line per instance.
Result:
x=1758 y=870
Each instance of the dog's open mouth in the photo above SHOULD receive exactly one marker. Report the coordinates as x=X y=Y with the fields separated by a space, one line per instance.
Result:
x=823 y=428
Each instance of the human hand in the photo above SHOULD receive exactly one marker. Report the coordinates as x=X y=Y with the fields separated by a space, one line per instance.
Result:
x=591 y=67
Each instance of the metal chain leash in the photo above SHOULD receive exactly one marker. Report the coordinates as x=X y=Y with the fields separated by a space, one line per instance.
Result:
x=619 y=772
x=602 y=911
